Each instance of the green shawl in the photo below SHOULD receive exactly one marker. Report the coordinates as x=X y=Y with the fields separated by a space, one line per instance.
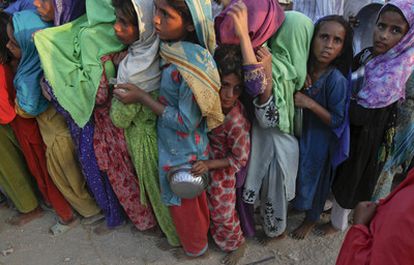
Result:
x=290 y=50
x=71 y=58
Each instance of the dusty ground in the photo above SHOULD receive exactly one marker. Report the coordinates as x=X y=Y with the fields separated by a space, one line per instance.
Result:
x=32 y=245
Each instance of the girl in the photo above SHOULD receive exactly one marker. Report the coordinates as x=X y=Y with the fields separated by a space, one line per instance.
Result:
x=379 y=82
x=230 y=148
x=263 y=19
x=71 y=60
x=325 y=108
x=141 y=67
x=272 y=172
x=15 y=178
x=188 y=93
x=62 y=162
x=29 y=104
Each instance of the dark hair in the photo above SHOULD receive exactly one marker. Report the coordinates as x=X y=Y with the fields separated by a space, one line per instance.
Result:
x=126 y=8
x=393 y=8
x=344 y=61
x=181 y=7
x=229 y=60
x=5 y=55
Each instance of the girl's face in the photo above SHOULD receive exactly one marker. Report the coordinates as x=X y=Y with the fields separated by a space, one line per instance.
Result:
x=45 y=9
x=391 y=28
x=12 y=45
x=168 y=22
x=126 y=32
x=328 y=42
x=231 y=88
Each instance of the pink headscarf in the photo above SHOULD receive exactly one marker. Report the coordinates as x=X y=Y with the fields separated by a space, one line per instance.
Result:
x=265 y=18
x=386 y=74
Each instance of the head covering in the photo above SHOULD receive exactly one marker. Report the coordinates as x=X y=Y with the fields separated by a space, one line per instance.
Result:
x=141 y=66
x=196 y=64
x=386 y=74
x=29 y=72
x=71 y=58
x=290 y=50
x=68 y=10
x=264 y=18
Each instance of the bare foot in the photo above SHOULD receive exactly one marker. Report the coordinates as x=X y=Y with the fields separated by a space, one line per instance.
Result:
x=103 y=229
x=180 y=255
x=164 y=245
x=154 y=231
x=234 y=257
x=326 y=230
x=264 y=240
x=303 y=230
x=24 y=218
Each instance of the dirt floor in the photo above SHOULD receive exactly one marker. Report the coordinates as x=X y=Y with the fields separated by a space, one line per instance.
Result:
x=33 y=245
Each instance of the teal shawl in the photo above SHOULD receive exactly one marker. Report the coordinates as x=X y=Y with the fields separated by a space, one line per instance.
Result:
x=27 y=79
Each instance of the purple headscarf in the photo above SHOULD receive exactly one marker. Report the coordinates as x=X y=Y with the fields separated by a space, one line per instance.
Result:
x=265 y=18
x=68 y=10
x=386 y=74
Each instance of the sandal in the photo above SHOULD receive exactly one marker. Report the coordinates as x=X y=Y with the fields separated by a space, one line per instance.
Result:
x=59 y=228
x=93 y=219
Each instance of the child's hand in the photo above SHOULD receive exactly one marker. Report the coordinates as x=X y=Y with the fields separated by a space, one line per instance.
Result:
x=200 y=167
x=264 y=56
x=129 y=93
x=239 y=14
x=302 y=101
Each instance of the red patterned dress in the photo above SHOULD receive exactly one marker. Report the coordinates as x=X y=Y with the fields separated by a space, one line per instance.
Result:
x=113 y=158
x=231 y=140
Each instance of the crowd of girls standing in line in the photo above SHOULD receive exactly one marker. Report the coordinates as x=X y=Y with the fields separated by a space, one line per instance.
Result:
x=103 y=99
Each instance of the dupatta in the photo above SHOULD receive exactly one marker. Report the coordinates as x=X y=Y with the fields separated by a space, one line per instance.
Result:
x=28 y=75
x=71 y=58
x=290 y=50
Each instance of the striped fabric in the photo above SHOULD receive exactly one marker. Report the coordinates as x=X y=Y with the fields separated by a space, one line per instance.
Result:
x=316 y=9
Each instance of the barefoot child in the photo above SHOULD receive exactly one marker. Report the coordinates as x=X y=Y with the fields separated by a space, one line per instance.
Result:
x=324 y=104
x=272 y=173
x=230 y=148
x=141 y=68
x=379 y=83
x=188 y=105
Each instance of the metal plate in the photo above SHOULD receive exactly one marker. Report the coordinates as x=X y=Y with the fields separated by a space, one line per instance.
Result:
x=184 y=184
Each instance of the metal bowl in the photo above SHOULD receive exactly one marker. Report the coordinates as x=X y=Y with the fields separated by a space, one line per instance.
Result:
x=184 y=184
